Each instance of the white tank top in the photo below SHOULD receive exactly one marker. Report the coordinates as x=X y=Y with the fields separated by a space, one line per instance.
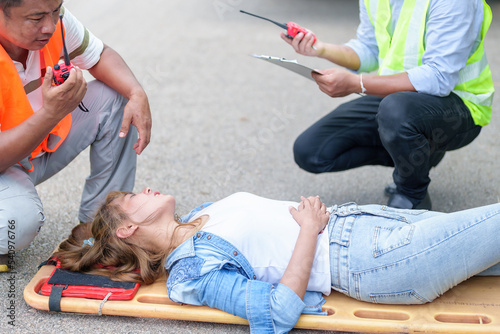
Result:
x=265 y=232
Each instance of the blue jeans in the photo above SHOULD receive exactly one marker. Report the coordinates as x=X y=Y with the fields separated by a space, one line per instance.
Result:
x=393 y=256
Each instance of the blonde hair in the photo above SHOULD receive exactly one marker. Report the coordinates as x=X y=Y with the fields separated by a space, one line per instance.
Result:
x=109 y=255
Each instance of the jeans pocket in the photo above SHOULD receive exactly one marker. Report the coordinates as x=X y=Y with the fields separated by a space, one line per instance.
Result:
x=387 y=239
x=402 y=297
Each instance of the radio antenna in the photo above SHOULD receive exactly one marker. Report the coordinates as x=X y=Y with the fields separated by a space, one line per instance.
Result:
x=282 y=25
x=66 y=56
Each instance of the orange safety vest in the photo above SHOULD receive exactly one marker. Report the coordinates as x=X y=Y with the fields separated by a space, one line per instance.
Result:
x=15 y=107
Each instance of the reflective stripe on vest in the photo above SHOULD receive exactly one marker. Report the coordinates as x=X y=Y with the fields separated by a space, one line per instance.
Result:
x=403 y=50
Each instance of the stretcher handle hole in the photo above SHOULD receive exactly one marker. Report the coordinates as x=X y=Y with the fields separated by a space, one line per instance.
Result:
x=463 y=318
x=382 y=315
x=329 y=311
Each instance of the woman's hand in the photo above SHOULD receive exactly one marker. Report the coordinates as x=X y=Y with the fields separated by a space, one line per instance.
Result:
x=311 y=214
x=312 y=217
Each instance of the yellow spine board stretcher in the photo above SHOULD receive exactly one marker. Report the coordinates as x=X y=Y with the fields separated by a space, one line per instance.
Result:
x=471 y=307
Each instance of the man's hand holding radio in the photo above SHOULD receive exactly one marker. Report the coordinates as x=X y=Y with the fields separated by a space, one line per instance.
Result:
x=58 y=101
x=305 y=44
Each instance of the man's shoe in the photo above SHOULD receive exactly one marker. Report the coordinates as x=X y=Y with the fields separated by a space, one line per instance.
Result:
x=400 y=201
x=4 y=263
x=434 y=161
x=390 y=189
x=426 y=203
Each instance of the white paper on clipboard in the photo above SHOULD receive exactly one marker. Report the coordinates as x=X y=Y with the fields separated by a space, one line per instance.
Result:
x=290 y=64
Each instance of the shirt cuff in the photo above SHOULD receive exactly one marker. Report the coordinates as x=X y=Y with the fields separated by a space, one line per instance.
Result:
x=368 y=62
x=259 y=309
x=424 y=81
x=286 y=308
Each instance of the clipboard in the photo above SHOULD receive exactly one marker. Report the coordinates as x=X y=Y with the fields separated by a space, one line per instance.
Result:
x=290 y=64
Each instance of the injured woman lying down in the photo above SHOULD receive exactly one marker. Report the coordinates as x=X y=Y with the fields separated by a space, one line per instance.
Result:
x=270 y=261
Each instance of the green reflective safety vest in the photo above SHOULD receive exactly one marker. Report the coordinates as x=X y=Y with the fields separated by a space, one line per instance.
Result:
x=403 y=50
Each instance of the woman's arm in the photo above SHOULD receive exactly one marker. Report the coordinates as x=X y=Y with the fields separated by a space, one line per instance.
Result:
x=312 y=217
x=268 y=308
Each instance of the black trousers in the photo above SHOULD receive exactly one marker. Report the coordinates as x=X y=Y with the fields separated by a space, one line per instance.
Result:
x=408 y=131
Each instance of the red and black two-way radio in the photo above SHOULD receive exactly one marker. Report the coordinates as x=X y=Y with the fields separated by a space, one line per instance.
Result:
x=61 y=71
x=292 y=29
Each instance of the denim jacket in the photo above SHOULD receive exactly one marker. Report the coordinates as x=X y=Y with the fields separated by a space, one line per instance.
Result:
x=208 y=270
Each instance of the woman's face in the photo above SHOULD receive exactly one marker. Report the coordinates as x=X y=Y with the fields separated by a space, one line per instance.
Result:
x=141 y=206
